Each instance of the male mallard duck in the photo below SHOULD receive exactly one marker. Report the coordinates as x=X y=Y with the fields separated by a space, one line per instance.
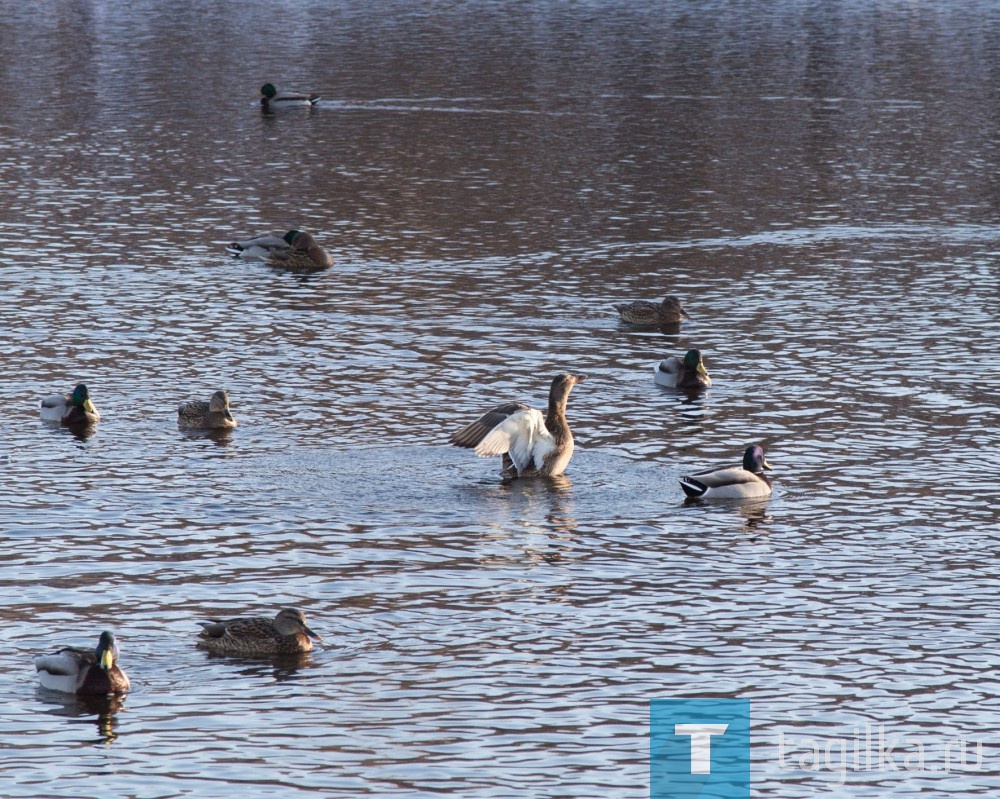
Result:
x=286 y=634
x=70 y=410
x=531 y=444
x=689 y=372
x=294 y=250
x=201 y=415
x=737 y=482
x=271 y=99
x=643 y=312
x=84 y=671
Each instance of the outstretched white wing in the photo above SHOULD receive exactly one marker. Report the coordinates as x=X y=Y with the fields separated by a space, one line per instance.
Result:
x=514 y=429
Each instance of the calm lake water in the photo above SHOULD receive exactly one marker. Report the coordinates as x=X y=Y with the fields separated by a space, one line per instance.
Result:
x=816 y=181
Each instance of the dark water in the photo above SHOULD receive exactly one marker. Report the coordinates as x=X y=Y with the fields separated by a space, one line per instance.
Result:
x=816 y=181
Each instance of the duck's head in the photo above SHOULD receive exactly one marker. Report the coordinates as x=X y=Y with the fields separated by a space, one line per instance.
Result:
x=219 y=403
x=562 y=385
x=291 y=621
x=107 y=651
x=672 y=305
x=268 y=92
x=566 y=381
x=753 y=460
x=291 y=235
x=80 y=398
x=694 y=363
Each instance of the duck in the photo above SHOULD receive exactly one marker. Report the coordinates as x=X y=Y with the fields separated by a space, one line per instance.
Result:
x=686 y=372
x=74 y=409
x=271 y=98
x=531 y=444
x=285 y=634
x=736 y=482
x=295 y=250
x=211 y=415
x=644 y=312
x=86 y=672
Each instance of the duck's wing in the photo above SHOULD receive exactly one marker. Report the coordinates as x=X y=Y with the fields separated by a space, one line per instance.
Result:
x=62 y=670
x=668 y=371
x=259 y=247
x=636 y=305
x=472 y=435
x=193 y=408
x=295 y=97
x=514 y=429
x=638 y=311
x=67 y=661
x=734 y=480
x=54 y=407
x=238 y=628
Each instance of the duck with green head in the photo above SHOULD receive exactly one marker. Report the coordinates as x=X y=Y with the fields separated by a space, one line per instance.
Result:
x=273 y=100
x=296 y=250
x=71 y=410
x=737 y=482
x=688 y=373
x=73 y=670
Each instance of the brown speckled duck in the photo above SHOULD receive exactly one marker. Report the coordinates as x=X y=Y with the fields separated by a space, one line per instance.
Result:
x=531 y=444
x=211 y=415
x=285 y=634
x=643 y=312
x=87 y=672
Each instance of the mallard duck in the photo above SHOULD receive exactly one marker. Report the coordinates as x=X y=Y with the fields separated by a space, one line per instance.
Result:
x=303 y=253
x=75 y=409
x=84 y=671
x=689 y=372
x=261 y=247
x=286 y=634
x=531 y=444
x=294 y=250
x=271 y=99
x=201 y=415
x=643 y=312
x=736 y=482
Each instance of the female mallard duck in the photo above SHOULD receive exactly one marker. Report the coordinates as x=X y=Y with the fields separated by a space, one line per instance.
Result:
x=643 y=312
x=737 y=482
x=531 y=444
x=84 y=671
x=201 y=415
x=271 y=99
x=70 y=410
x=294 y=250
x=286 y=634
x=689 y=372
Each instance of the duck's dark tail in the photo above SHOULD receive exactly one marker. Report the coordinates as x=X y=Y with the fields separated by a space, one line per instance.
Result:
x=692 y=487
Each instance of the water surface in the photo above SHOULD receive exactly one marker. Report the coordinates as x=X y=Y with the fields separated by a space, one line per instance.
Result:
x=816 y=182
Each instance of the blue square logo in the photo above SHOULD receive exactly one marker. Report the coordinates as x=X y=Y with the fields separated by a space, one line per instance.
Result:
x=699 y=749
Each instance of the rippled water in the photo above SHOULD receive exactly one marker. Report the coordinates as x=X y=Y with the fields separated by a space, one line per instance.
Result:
x=817 y=183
